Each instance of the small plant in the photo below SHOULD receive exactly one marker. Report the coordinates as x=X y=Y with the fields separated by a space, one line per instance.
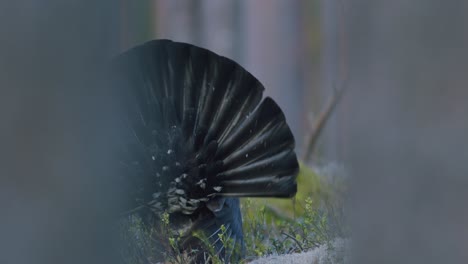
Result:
x=227 y=251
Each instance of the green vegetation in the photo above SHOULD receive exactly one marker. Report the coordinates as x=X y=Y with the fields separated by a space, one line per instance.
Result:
x=311 y=219
x=271 y=226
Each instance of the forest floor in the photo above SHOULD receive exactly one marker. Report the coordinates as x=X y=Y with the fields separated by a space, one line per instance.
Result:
x=321 y=255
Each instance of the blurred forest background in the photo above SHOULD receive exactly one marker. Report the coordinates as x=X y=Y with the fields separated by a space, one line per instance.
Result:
x=400 y=129
x=290 y=46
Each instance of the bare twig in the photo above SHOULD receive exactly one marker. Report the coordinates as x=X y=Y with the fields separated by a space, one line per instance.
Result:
x=321 y=121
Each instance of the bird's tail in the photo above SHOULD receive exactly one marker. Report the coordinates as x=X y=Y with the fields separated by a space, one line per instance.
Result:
x=197 y=128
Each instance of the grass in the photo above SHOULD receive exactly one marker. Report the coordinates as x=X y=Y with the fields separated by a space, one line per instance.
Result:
x=271 y=226
x=313 y=218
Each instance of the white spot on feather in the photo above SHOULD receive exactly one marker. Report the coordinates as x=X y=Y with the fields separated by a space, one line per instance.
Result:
x=201 y=183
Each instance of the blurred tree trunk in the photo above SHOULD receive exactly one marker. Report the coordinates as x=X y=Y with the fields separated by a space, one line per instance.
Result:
x=334 y=78
x=136 y=24
x=408 y=148
x=178 y=20
x=56 y=131
x=330 y=14
x=213 y=25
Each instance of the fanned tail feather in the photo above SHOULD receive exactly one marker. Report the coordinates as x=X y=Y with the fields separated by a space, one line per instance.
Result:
x=198 y=128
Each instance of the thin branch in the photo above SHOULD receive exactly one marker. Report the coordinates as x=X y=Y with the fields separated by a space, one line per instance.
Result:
x=321 y=121
x=294 y=239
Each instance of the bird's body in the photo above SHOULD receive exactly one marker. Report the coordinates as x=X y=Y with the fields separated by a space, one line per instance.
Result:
x=198 y=136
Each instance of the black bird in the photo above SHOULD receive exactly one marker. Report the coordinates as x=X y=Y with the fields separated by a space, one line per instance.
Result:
x=197 y=136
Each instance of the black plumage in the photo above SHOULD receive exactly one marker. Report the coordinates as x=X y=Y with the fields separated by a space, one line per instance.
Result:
x=197 y=135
